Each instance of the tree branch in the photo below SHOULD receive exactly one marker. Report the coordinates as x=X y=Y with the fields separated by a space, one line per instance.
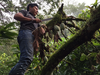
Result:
x=84 y=35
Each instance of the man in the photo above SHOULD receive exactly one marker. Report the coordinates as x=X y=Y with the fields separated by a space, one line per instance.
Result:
x=28 y=23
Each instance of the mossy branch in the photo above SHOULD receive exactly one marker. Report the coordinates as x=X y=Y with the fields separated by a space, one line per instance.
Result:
x=84 y=35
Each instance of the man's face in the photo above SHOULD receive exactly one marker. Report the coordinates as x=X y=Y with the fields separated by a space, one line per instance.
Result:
x=34 y=10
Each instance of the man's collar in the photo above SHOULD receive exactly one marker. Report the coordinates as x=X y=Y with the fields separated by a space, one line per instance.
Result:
x=32 y=14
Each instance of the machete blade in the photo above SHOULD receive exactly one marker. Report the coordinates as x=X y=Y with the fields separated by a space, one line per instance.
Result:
x=47 y=19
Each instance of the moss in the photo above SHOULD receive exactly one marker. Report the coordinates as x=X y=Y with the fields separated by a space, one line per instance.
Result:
x=95 y=15
x=57 y=18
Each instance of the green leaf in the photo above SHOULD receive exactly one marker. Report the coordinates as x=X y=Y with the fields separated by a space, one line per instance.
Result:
x=15 y=45
x=88 y=15
x=8 y=34
x=83 y=57
x=9 y=25
x=91 y=55
x=96 y=43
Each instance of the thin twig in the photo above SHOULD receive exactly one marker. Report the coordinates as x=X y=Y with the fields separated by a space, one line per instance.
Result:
x=63 y=34
x=69 y=30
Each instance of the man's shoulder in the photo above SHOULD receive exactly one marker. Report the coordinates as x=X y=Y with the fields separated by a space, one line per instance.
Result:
x=24 y=12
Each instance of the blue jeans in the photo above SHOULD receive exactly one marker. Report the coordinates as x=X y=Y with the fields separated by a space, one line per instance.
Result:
x=25 y=40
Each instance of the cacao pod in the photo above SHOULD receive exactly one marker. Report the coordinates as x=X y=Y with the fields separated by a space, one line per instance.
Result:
x=62 y=26
x=56 y=28
x=52 y=73
x=45 y=59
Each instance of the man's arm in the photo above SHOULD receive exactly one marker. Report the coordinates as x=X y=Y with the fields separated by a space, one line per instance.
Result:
x=19 y=17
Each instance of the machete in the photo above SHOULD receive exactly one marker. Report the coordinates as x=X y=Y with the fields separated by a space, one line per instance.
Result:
x=46 y=19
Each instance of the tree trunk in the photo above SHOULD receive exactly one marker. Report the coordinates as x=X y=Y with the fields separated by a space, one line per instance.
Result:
x=84 y=35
